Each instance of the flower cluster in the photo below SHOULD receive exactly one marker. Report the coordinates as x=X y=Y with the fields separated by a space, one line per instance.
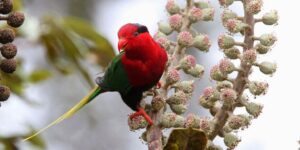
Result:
x=8 y=50
x=231 y=73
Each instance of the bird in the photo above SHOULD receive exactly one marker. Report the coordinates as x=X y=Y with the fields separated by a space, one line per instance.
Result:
x=137 y=68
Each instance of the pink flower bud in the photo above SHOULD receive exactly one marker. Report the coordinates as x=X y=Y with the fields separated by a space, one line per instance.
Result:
x=228 y=95
x=205 y=124
x=185 y=38
x=187 y=62
x=249 y=56
x=192 y=121
x=137 y=122
x=226 y=66
x=195 y=14
x=172 y=7
x=235 y=26
x=254 y=6
x=175 y=21
x=164 y=42
x=172 y=76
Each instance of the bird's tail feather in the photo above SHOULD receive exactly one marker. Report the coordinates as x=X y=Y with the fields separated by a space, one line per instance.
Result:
x=93 y=93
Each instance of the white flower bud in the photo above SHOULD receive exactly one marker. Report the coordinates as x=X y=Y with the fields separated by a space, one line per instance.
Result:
x=258 y=88
x=223 y=85
x=177 y=98
x=270 y=18
x=208 y=14
x=261 y=49
x=196 y=71
x=228 y=14
x=231 y=141
x=226 y=2
x=164 y=28
x=254 y=109
x=216 y=74
x=267 y=67
x=267 y=39
x=186 y=86
x=157 y=103
x=202 y=42
x=225 y=41
x=232 y=53
x=178 y=109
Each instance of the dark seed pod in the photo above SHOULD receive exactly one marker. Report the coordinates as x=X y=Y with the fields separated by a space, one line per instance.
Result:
x=8 y=50
x=15 y=19
x=4 y=93
x=6 y=6
x=8 y=65
x=7 y=36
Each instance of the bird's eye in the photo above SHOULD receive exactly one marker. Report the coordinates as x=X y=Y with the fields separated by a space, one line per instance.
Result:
x=136 y=33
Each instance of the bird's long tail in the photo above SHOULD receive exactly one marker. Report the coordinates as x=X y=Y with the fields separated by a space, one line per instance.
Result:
x=93 y=93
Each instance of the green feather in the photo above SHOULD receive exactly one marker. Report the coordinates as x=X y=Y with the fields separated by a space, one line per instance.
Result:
x=96 y=91
x=115 y=77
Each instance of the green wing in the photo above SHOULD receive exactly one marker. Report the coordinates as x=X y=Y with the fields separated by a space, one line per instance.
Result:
x=115 y=77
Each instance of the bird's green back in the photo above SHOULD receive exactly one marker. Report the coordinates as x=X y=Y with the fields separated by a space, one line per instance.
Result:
x=115 y=77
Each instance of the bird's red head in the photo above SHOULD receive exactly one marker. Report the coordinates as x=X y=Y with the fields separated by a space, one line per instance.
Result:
x=131 y=34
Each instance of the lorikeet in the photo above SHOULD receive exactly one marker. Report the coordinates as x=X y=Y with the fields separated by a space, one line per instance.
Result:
x=138 y=67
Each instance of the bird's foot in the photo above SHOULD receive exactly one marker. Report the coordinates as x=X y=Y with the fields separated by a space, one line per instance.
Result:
x=141 y=112
x=158 y=85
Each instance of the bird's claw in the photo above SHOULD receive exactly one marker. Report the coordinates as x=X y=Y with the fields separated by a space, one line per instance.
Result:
x=141 y=112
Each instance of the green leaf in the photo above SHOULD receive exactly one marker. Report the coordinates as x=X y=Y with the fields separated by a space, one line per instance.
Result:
x=37 y=141
x=39 y=75
x=186 y=139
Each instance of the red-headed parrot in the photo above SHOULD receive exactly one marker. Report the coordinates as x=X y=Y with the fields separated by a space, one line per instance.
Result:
x=138 y=67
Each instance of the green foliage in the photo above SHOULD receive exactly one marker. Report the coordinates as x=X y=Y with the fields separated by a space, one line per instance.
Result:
x=39 y=75
x=186 y=139
x=70 y=40
x=12 y=142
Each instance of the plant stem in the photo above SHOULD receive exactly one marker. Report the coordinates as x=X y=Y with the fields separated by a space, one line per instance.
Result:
x=154 y=132
x=240 y=81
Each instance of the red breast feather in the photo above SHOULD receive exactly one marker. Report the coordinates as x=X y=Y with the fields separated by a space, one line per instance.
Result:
x=144 y=61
